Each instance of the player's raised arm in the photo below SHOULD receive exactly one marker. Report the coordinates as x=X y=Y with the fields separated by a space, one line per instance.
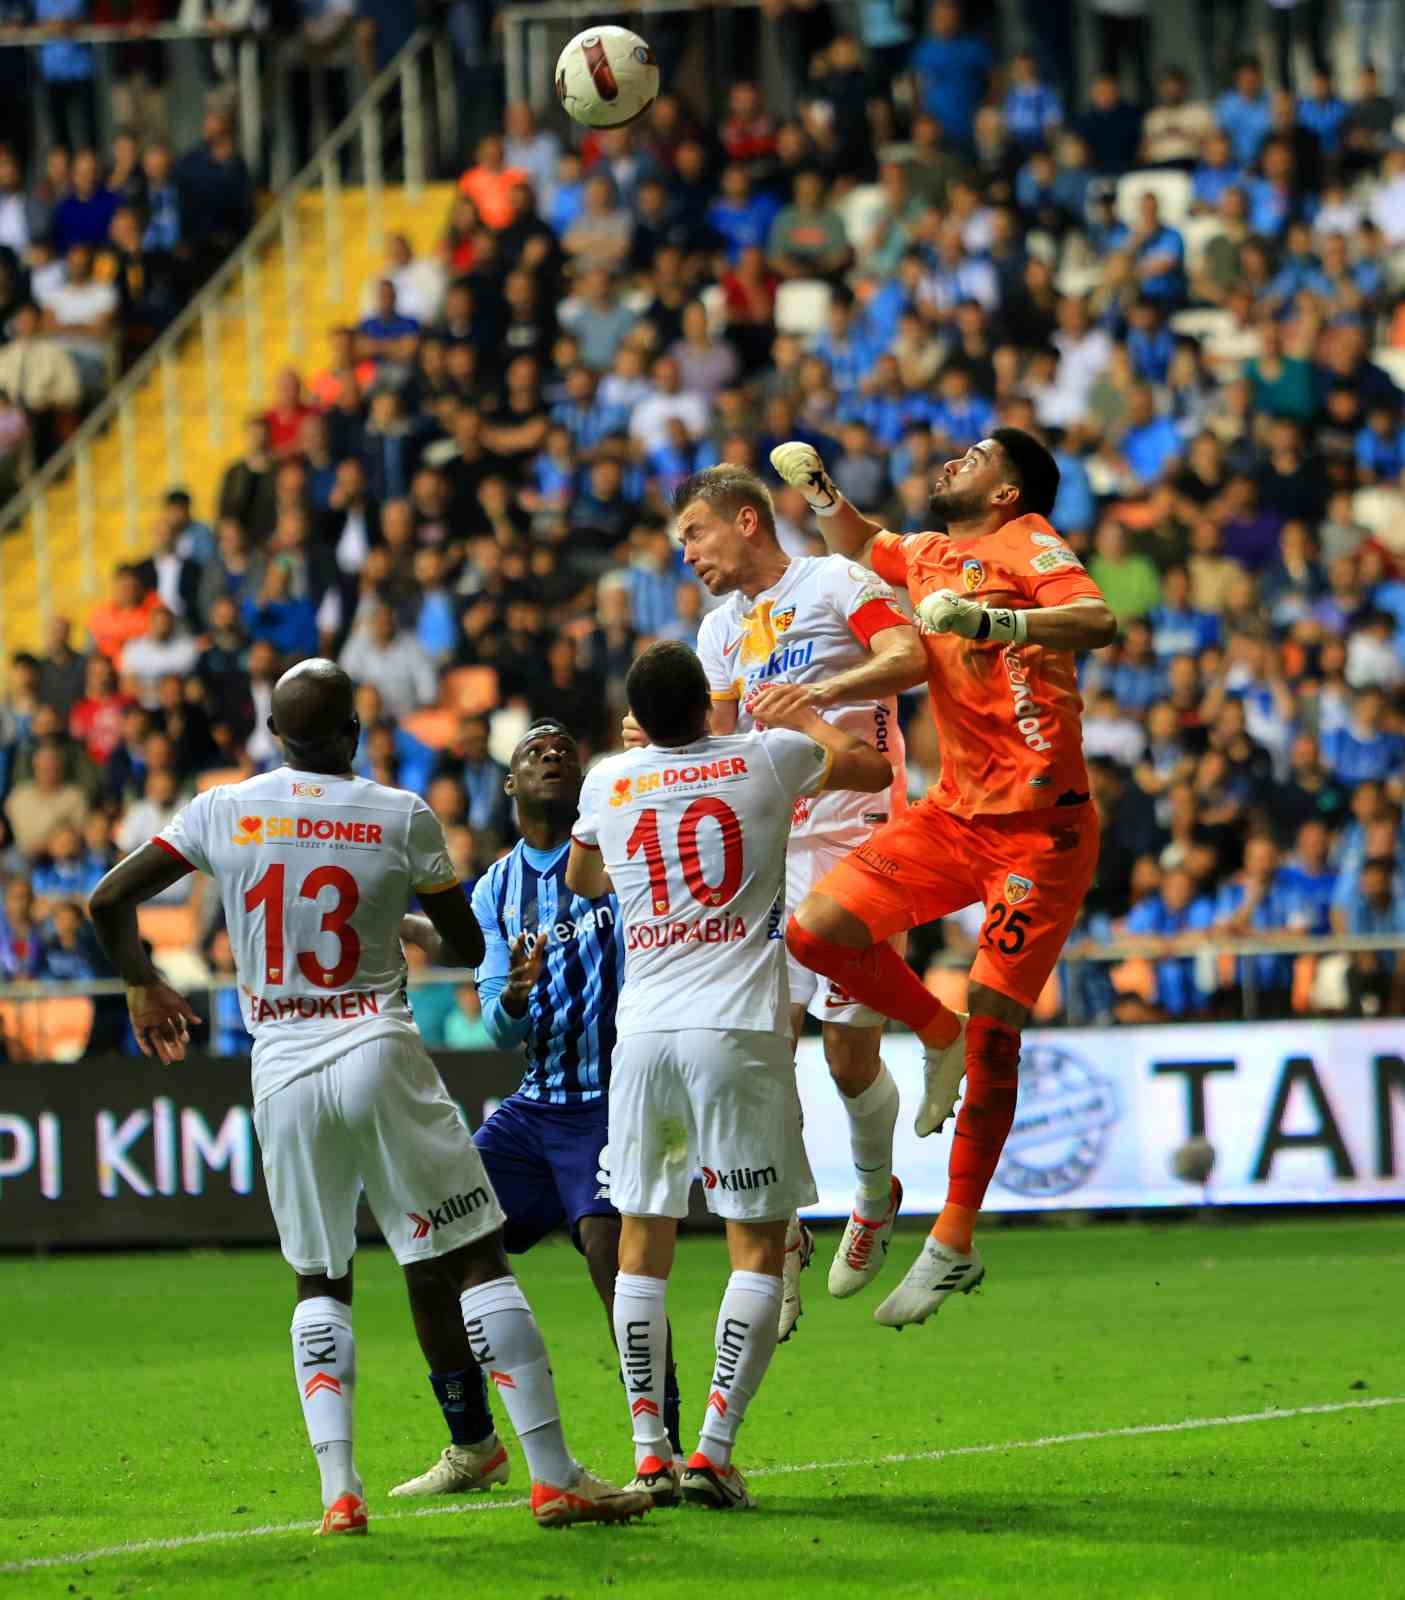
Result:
x=1082 y=624
x=853 y=764
x=160 y=1016
x=846 y=532
x=453 y=919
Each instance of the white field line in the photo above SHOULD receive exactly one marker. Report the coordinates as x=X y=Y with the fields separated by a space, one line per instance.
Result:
x=517 y=1502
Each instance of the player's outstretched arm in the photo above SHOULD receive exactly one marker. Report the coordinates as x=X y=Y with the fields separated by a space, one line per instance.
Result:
x=853 y=764
x=585 y=872
x=846 y=532
x=455 y=923
x=896 y=661
x=1084 y=624
x=160 y=1016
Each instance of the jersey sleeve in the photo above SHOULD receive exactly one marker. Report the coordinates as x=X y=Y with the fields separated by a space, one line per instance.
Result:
x=866 y=602
x=431 y=871
x=801 y=766
x=1047 y=570
x=186 y=836
x=890 y=556
x=504 y=1029
x=587 y=826
x=720 y=683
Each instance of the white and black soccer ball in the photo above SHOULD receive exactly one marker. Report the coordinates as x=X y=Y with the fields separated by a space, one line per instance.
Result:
x=606 y=77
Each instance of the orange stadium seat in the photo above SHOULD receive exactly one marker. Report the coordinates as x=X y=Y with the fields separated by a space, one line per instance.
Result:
x=169 y=927
x=435 y=727
x=212 y=780
x=47 y=1030
x=469 y=691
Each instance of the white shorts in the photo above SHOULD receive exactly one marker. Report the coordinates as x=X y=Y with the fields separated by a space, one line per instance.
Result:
x=710 y=1100
x=806 y=862
x=377 y=1117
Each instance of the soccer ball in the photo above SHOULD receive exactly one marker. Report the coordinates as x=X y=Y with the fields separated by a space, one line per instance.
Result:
x=606 y=77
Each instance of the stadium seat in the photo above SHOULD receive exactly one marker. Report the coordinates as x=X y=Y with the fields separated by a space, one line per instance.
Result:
x=1197 y=233
x=1391 y=361
x=858 y=211
x=469 y=691
x=802 y=307
x=1172 y=190
x=1206 y=324
x=169 y=927
x=434 y=727
x=714 y=301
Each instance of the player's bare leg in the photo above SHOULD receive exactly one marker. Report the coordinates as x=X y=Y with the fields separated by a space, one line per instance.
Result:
x=600 y=1244
x=324 y=1365
x=746 y=1341
x=799 y=1241
x=870 y=1100
x=949 y=1262
x=507 y=1346
x=475 y=1458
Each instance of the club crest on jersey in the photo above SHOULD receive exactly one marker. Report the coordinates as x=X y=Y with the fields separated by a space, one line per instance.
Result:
x=972 y=575
x=248 y=830
x=783 y=618
x=1018 y=888
x=623 y=792
x=308 y=791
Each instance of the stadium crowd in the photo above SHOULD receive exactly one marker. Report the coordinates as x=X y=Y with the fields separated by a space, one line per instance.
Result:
x=1185 y=286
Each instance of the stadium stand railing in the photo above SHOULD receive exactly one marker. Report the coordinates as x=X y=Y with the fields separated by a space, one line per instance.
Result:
x=173 y=417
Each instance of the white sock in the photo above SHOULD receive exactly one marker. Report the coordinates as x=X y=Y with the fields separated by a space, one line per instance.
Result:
x=641 y=1332
x=748 y=1326
x=324 y=1365
x=507 y=1345
x=873 y=1115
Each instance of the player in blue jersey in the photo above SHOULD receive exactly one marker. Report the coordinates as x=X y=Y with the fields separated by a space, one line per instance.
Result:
x=548 y=983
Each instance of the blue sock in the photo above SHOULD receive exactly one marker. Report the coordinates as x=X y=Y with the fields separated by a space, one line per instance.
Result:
x=463 y=1398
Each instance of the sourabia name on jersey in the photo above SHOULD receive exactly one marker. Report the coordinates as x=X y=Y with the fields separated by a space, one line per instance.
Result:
x=694 y=841
x=815 y=622
x=315 y=873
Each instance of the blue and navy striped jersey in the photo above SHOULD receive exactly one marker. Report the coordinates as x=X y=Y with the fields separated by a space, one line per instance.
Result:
x=568 y=1032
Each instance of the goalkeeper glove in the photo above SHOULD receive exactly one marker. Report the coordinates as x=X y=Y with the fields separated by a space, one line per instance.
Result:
x=800 y=466
x=945 y=611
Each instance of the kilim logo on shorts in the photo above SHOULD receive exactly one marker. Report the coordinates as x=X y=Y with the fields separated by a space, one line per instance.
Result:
x=972 y=575
x=622 y=792
x=453 y=1209
x=1018 y=888
x=739 y=1178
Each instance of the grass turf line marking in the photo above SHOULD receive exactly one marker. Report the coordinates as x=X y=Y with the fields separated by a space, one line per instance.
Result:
x=1137 y=1431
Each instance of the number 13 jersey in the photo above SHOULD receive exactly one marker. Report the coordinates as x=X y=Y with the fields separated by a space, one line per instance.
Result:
x=315 y=873
x=694 y=841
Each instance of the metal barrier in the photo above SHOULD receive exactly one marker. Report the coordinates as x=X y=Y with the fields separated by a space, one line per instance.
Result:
x=363 y=133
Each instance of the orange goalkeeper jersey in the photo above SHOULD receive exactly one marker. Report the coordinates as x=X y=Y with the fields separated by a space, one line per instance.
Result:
x=1009 y=717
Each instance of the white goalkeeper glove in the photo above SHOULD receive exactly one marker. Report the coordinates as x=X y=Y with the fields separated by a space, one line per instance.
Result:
x=945 y=611
x=800 y=466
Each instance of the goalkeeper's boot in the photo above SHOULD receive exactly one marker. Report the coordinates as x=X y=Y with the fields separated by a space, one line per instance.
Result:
x=462 y=1469
x=937 y=1273
x=863 y=1247
x=944 y=1068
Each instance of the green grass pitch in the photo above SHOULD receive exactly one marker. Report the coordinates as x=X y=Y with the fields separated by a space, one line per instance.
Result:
x=148 y=1398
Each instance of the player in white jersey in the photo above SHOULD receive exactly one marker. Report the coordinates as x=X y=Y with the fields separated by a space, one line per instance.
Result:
x=691 y=832
x=316 y=869
x=837 y=629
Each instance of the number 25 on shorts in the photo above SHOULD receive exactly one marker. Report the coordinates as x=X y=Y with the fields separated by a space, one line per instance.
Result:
x=1004 y=929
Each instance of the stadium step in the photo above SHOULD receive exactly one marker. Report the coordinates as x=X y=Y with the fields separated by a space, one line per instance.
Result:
x=187 y=428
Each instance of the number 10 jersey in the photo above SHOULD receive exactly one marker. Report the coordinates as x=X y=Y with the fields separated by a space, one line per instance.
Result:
x=694 y=842
x=315 y=873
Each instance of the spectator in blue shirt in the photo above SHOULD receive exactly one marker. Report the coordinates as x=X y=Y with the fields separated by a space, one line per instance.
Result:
x=740 y=218
x=959 y=415
x=1075 y=510
x=85 y=213
x=1033 y=111
x=1150 y=343
x=1138 y=679
x=952 y=68
x=1159 y=252
x=1363 y=749
x=884 y=406
x=1253 y=903
x=1307 y=882
x=1322 y=113
x=67 y=71
x=1244 y=112
x=844 y=345
x=68 y=871
x=286 y=621
x=387 y=335
x=1380 y=445
x=1111 y=127
x=228 y=1035
x=1177 y=629
x=1375 y=979
x=1176 y=914
x=1151 y=443
x=1216 y=172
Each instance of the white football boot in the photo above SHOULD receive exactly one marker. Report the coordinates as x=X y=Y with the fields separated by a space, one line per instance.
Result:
x=717 y=1488
x=462 y=1469
x=658 y=1479
x=937 y=1273
x=863 y=1247
x=588 y=1499
x=943 y=1068
x=799 y=1247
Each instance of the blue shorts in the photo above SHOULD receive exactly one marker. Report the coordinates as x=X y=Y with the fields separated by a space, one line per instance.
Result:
x=545 y=1164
